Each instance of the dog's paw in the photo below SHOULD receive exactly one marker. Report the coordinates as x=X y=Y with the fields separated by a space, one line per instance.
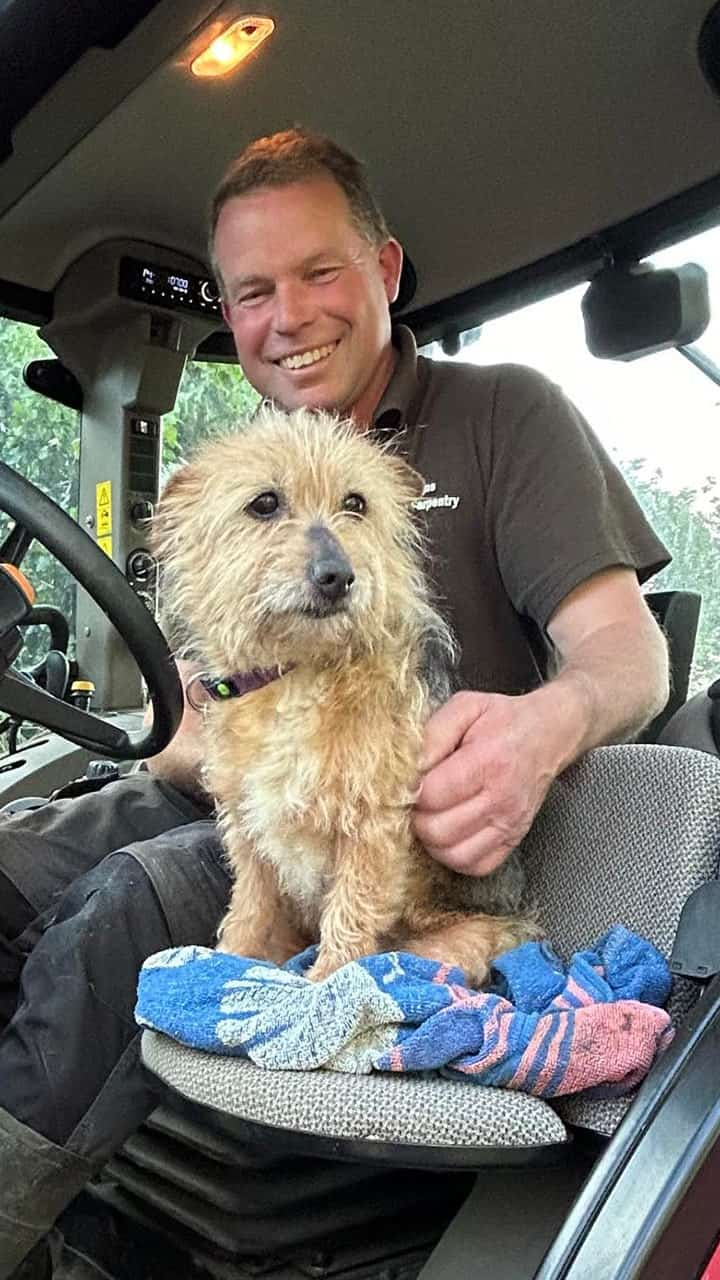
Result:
x=324 y=966
x=236 y=942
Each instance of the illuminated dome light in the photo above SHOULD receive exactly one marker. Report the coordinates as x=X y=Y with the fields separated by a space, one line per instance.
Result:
x=232 y=46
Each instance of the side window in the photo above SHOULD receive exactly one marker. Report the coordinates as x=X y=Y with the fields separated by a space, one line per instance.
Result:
x=659 y=417
x=41 y=440
x=211 y=400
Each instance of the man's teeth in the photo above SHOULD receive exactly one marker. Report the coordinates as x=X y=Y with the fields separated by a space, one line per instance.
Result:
x=307 y=357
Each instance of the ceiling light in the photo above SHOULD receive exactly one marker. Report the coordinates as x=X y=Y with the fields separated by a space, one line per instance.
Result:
x=232 y=46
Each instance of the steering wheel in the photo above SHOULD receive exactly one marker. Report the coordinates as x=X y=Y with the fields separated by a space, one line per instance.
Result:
x=37 y=517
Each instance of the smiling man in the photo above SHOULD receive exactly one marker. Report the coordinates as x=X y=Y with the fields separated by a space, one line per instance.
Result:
x=537 y=546
x=308 y=311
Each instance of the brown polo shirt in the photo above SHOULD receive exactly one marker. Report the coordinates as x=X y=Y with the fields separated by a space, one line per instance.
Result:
x=521 y=505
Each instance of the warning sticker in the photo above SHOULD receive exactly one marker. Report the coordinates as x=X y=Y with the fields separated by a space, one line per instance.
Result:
x=103 y=509
x=105 y=544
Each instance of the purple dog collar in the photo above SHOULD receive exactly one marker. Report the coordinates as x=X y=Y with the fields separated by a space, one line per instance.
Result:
x=234 y=686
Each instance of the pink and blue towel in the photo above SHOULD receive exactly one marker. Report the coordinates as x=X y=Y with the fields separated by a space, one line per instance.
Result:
x=544 y=1027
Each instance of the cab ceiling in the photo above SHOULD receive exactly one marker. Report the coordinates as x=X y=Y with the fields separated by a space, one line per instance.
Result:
x=496 y=132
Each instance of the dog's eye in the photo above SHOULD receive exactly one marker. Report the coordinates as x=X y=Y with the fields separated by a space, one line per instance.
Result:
x=356 y=503
x=266 y=504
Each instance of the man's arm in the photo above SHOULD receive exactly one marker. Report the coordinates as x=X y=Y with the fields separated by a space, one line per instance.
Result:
x=489 y=759
x=180 y=763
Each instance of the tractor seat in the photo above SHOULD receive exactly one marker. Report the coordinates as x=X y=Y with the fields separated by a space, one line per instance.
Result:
x=625 y=836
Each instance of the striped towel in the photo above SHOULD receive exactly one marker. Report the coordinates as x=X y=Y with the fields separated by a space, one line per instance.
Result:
x=544 y=1027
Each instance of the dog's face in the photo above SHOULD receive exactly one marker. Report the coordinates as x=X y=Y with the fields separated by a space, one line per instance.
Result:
x=291 y=540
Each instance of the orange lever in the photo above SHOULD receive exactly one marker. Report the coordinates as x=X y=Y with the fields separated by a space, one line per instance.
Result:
x=24 y=584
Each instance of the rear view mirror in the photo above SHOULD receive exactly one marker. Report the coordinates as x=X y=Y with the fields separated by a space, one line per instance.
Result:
x=632 y=311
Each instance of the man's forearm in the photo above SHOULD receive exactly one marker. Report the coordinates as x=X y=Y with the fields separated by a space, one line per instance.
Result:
x=607 y=690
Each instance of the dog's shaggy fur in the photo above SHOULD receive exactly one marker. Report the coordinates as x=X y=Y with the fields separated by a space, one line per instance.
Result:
x=315 y=772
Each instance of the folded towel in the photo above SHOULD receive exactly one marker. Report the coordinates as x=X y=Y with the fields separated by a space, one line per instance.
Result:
x=544 y=1028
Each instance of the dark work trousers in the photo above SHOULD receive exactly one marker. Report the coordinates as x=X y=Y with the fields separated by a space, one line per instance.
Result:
x=75 y=927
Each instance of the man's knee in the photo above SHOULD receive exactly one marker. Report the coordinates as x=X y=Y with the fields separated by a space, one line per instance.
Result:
x=190 y=878
x=157 y=893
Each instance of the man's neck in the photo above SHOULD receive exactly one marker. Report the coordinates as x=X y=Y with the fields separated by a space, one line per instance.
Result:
x=363 y=411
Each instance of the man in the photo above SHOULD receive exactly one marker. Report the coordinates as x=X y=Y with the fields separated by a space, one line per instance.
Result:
x=309 y=312
x=559 y=654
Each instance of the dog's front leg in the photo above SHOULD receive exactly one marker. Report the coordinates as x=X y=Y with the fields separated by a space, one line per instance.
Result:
x=256 y=922
x=366 y=897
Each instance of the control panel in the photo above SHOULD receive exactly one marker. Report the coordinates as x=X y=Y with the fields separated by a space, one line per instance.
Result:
x=166 y=287
x=143 y=474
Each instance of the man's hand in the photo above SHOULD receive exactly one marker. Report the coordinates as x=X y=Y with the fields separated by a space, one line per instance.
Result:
x=181 y=761
x=486 y=772
x=489 y=759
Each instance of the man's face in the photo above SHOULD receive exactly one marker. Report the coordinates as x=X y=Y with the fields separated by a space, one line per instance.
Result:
x=306 y=297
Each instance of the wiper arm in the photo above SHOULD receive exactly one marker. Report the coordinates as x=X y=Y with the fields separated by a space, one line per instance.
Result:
x=702 y=362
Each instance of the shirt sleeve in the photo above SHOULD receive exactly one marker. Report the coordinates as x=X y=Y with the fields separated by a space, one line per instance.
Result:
x=559 y=509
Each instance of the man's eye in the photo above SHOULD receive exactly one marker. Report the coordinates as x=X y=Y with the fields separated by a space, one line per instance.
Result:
x=266 y=504
x=354 y=502
x=251 y=299
x=324 y=275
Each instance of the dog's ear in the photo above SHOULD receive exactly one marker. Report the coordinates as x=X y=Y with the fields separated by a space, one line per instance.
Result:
x=410 y=479
x=176 y=480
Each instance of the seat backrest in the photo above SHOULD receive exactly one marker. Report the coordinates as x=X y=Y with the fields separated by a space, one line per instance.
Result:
x=624 y=837
x=678 y=613
x=696 y=724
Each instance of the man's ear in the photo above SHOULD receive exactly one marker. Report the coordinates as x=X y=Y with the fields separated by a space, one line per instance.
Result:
x=390 y=258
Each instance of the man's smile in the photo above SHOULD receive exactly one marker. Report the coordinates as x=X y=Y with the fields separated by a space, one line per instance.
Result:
x=302 y=359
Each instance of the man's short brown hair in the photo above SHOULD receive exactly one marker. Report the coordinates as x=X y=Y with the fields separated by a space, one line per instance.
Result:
x=294 y=156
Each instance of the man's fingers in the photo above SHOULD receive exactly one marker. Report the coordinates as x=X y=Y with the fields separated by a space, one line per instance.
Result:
x=468 y=837
x=479 y=855
x=443 y=827
x=454 y=781
x=446 y=729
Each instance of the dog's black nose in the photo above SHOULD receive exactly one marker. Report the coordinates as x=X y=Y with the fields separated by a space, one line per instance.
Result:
x=332 y=576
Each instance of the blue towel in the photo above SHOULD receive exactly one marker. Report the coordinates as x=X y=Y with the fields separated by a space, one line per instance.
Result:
x=544 y=1027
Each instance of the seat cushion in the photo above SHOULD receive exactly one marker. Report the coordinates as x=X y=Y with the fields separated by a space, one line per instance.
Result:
x=624 y=837
x=600 y=1115
x=425 y=1111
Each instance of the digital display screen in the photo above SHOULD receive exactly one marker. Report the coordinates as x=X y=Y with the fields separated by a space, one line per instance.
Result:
x=163 y=287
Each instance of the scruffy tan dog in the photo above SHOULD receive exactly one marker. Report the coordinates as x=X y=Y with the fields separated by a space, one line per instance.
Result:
x=290 y=554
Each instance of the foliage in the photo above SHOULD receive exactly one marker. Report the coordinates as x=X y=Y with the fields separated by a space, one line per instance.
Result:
x=688 y=521
x=213 y=399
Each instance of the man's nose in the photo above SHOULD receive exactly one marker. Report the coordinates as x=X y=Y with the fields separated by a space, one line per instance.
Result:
x=293 y=306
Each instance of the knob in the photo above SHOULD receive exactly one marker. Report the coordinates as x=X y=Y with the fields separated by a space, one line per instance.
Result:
x=141 y=510
x=102 y=769
x=140 y=566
